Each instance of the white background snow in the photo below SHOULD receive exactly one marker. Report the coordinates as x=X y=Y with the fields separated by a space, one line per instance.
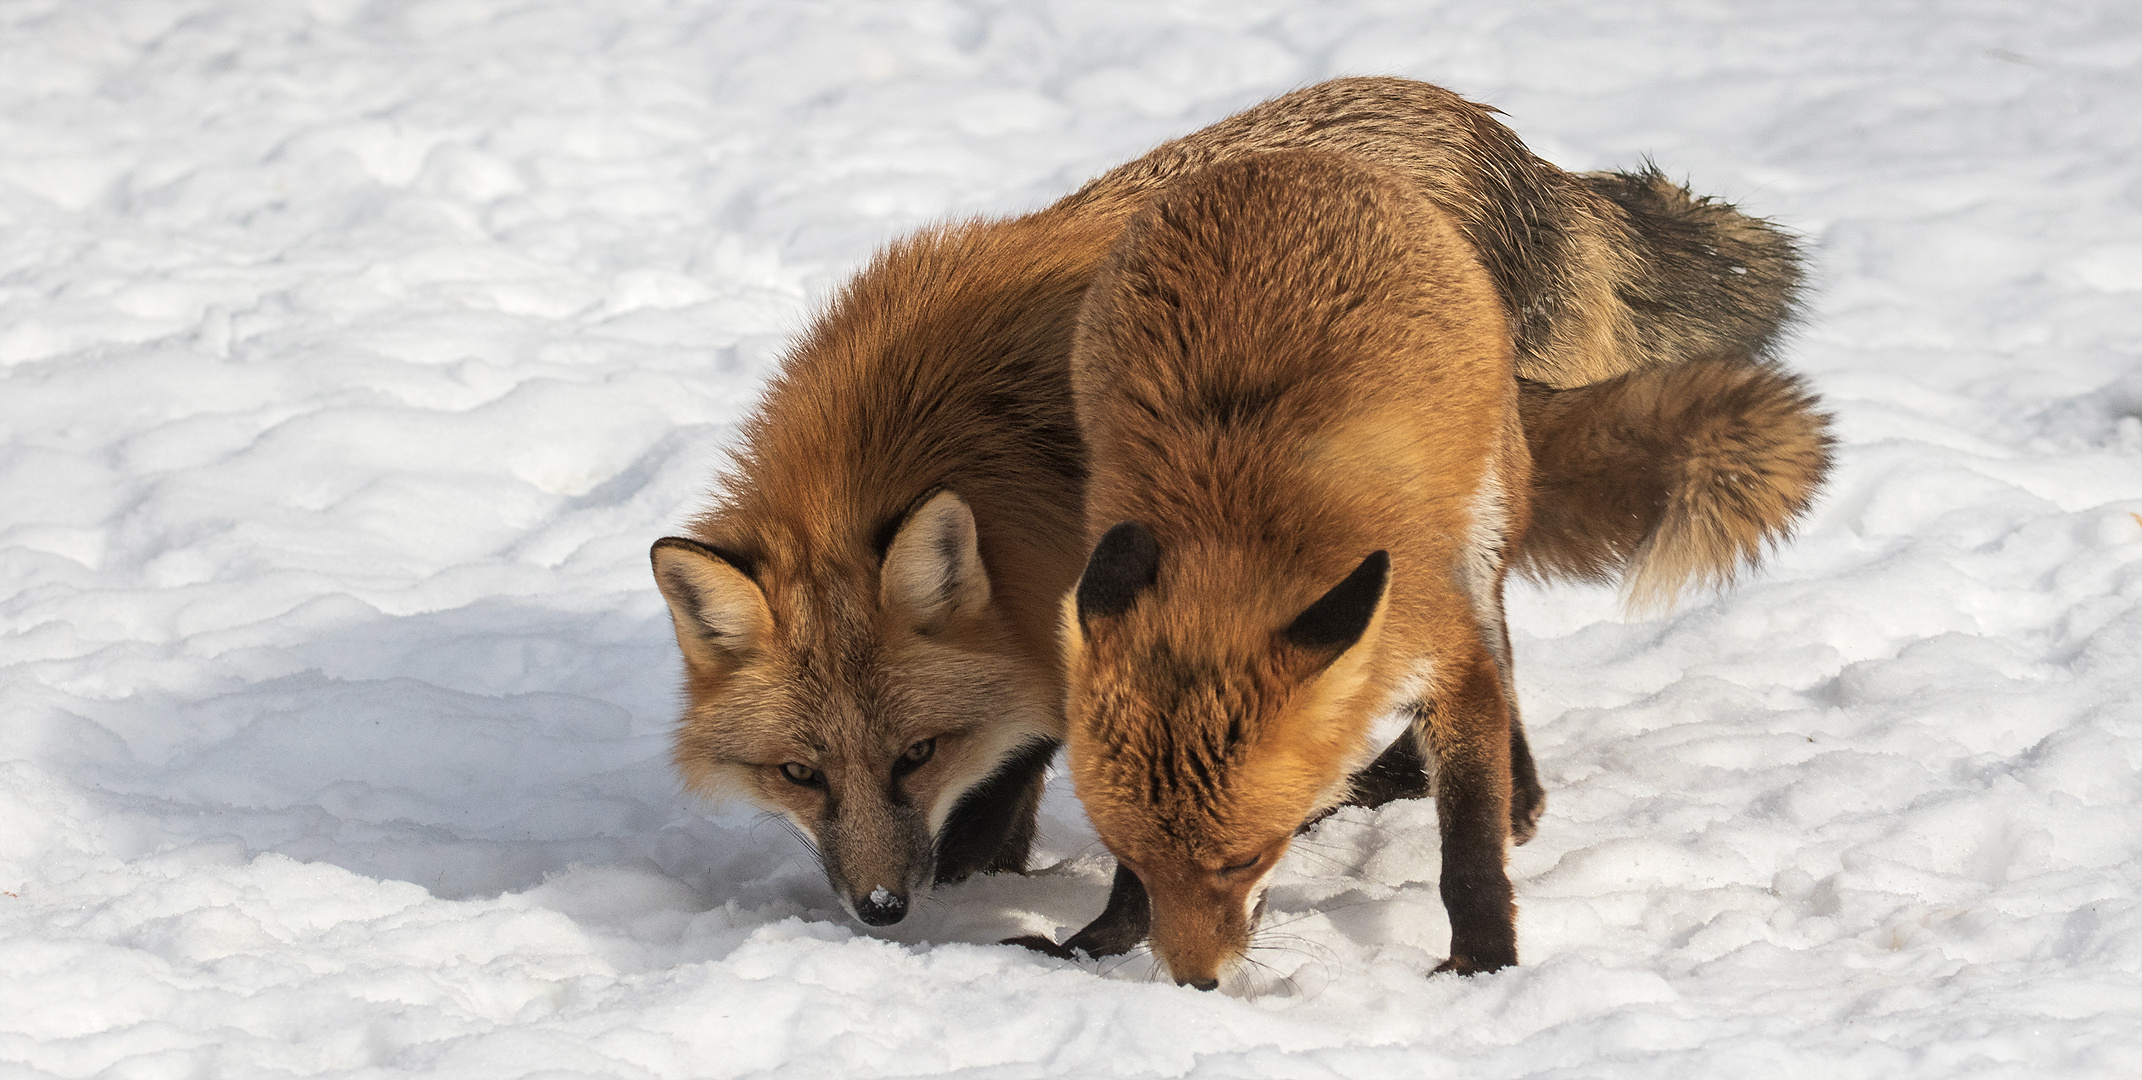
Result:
x=352 y=353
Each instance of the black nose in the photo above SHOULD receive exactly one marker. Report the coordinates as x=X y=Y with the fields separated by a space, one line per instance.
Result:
x=882 y=907
x=1204 y=984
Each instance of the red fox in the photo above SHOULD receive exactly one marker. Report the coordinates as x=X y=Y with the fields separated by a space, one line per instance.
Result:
x=868 y=612
x=1297 y=387
x=867 y=616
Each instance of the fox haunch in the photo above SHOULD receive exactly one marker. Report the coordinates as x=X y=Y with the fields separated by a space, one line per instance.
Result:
x=1602 y=273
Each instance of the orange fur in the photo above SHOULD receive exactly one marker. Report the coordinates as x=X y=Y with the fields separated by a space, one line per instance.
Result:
x=1290 y=361
x=904 y=389
x=1671 y=476
x=943 y=367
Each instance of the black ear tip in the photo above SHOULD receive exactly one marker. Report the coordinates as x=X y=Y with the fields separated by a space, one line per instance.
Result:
x=1341 y=616
x=1128 y=537
x=1125 y=563
x=672 y=543
x=1367 y=579
x=742 y=563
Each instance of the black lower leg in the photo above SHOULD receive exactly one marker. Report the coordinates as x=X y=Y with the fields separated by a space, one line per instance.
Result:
x=1528 y=800
x=1472 y=801
x=1400 y=772
x=1483 y=923
x=1121 y=925
x=993 y=826
x=1475 y=886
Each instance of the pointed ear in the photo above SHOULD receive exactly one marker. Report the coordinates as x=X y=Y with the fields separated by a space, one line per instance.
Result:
x=933 y=567
x=717 y=610
x=1125 y=563
x=1332 y=625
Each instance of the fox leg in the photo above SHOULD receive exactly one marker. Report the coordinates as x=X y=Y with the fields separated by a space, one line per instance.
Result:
x=1469 y=733
x=1528 y=800
x=1401 y=772
x=1122 y=924
x=1479 y=575
x=992 y=828
x=1020 y=813
x=1117 y=930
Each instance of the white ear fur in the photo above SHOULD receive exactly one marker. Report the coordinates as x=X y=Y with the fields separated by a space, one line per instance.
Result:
x=717 y=611
x=933 y=570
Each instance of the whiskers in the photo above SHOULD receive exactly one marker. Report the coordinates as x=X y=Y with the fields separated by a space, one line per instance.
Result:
x=1252 y=979
x=809 y=843
x=1138 y=963
x=1265 y=968
x=1323 y=907
x=1273 y=966
x=1345 y=841
x=1342 y=867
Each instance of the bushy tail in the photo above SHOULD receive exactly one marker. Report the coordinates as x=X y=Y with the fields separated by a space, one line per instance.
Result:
x=1699 y=277
x=1671 y=476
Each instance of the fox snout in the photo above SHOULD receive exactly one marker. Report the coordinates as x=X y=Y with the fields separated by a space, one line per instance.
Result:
x=1199 y=942
x=1202 y=923
x=879 y=859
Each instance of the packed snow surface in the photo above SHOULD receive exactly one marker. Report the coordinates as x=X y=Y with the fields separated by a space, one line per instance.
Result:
x=352 y=353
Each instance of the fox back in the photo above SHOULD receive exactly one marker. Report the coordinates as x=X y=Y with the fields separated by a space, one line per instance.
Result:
x=1646 y=323
x=1601 y=273
x=1294 y=376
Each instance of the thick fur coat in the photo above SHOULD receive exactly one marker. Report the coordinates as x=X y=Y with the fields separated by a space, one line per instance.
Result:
x=867 y=611
x=1296 y=381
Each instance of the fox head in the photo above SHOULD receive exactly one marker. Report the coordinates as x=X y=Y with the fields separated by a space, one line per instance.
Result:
x=860 y=702
x=1204 y=731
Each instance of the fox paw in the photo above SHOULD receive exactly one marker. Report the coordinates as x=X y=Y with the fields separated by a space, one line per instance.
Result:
x=1464 y=966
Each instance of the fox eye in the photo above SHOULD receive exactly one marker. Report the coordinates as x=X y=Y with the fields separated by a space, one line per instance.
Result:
x=1246 y=864
x=915 y=756
x=799 y=773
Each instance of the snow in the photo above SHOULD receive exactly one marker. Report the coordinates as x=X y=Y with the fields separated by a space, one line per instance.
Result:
x=352 y=353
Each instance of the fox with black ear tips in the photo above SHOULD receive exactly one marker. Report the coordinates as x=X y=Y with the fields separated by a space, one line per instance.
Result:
x=1296 y=382
x=899 y=782
x=868 y=612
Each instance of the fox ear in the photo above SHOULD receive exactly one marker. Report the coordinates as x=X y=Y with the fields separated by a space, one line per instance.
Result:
x=933 y=567
x=1332 y=625
x=1125 y=563
x=718 y=611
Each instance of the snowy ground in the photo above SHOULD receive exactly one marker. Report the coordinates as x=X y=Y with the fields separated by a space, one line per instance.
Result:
x=351 y=355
